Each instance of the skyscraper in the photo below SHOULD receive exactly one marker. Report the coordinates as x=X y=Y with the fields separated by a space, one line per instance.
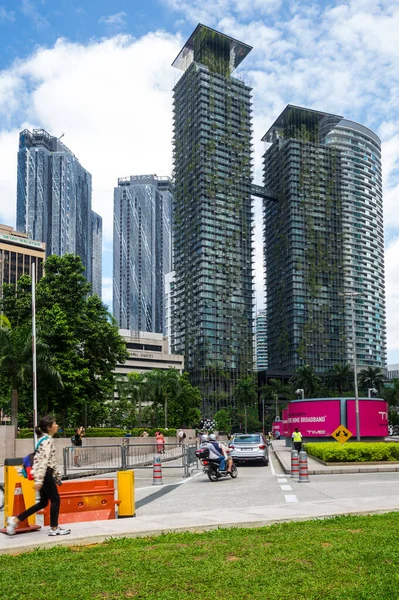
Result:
x=97 y=246
x=142 y=251
x=213 y=292
x=54 y=197
x=323 y=238
x=261 y=340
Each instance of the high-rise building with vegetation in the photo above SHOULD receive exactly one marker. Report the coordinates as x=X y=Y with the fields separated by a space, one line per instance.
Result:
x=323 y=239
x=212 y=218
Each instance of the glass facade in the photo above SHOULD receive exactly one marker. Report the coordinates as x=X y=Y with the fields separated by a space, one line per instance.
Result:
x=17 y=253
x=322 y=236
x=212 y=219
x=261 y=340
x=142 y=251
x=97 y=256
x=54 y=197
x=363 y=239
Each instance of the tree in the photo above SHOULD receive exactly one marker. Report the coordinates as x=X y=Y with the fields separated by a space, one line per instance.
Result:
x=340 y=377
x=274 y=390
x=223 y=420
x=391 y=392
x=245 y=394
x=139 y=391
x=372 y=377
x=184 y=407
x=164 y=385
x=16 y=362
x=307 y=380
x=80 y=333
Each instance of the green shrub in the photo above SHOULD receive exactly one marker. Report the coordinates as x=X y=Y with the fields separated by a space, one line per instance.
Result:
x=104 y=432
x=354 y=451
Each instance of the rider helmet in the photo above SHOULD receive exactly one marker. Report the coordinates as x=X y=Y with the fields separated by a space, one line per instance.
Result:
x=204 y=438
x=212 y=437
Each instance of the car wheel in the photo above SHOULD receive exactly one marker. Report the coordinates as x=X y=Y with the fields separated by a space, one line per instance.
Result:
x=265 y=462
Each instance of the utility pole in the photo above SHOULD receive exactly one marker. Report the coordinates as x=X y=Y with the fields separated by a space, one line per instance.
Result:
x=34 y=377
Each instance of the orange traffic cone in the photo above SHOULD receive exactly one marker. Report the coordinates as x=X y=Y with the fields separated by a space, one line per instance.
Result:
x=18 y=508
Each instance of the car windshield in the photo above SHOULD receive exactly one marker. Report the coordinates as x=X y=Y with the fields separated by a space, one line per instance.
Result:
x=247 y=439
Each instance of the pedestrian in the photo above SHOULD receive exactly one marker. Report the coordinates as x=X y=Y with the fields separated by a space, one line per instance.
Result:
x=47 y=476
x=160 y=442
x=297 y=439
x=144 y=434
x=76 y=440
x=180 y=436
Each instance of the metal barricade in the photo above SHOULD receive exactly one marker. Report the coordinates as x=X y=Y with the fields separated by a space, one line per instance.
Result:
x=93 y=458
x=140 y=456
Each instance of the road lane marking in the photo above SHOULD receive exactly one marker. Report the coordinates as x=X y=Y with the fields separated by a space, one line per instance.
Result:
x=289 y=498
x=286 y=488
x=271 y=466
x=282 y=480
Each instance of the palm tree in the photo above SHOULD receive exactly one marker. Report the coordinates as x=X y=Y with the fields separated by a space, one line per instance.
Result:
x=139 y=391
x=391 y=392
x=339 y=377
x=16 y=362
x=307 y=380
x=245 y=394
x=273 y=390
x=371 y=377
x=162 y=384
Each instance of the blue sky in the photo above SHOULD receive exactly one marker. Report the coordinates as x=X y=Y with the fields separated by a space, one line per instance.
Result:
x=99 y=71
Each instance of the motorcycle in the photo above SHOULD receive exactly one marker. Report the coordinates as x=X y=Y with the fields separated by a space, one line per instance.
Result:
x=211 y=466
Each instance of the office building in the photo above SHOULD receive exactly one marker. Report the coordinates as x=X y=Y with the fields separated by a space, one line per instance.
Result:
x=212 y=218
x=142 y=251
x=147 y=351
x=393 y=371
x=54 y=197
x=261 y=340
x=17 y=252
x=323 y=239
x=169 y=289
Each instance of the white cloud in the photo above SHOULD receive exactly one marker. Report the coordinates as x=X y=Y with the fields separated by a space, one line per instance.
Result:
x=118 y=120
x=392 y=291
x=6 y=15
x=118 y=20
x=30 y=11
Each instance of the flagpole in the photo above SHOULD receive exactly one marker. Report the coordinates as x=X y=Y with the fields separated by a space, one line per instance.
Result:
x=34 y=377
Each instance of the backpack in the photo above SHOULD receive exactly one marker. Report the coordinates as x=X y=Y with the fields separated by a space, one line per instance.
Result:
x=184 y=436
x=27 y=461
x=73 y=441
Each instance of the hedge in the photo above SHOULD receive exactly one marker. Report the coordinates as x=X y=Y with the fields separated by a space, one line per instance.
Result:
x=354 y=451
x=105 y=432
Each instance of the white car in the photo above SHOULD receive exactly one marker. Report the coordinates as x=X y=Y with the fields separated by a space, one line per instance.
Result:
x=249 y=447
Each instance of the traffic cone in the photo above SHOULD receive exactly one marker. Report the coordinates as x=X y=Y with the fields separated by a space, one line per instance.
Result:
x=18 y=508
x=303 y=467
x=294 y=464
x=157 y=471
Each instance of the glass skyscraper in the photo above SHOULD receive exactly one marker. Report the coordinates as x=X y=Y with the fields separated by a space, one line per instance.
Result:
x=261 y=340
x=142 y=251
x=323 y=238
x=213 y=292
x=54 y=197
x=97 y=246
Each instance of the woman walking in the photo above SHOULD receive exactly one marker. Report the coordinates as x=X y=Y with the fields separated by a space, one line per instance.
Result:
x=47 y=477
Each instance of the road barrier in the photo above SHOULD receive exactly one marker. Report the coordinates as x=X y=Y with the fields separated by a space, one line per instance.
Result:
x=303 y=467
x=105 y=459
x=157 y=471
x=294 y=464
x=18 y=508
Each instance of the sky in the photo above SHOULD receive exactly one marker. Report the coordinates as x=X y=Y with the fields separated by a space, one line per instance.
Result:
x=100 y=72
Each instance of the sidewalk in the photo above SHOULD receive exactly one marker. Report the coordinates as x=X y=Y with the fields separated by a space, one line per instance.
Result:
x=315 y=467
x=99 y=531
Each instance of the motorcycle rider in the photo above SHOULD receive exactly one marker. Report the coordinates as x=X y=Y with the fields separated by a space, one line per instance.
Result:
x=214 y=453
x=221 y=448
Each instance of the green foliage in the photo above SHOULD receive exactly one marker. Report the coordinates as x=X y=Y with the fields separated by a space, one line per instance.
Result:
x=390 y=393
x=81 y=336
x=340 y=558
x=372 y=377
x=354 y=451
x=98 y=432
x=307 y=380
x=223 y=420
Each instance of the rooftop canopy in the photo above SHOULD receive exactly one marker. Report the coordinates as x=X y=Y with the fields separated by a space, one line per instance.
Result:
x=220 y=53
x=301 y=123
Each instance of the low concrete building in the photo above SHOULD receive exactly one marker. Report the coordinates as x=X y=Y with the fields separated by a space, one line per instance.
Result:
x=147 y=351
x=17 y=253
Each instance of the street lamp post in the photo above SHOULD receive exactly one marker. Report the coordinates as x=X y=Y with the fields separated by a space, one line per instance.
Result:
x=371 y=391
x=351 y=294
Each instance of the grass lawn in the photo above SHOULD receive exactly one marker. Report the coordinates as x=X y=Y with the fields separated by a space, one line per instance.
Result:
x=348 y=558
